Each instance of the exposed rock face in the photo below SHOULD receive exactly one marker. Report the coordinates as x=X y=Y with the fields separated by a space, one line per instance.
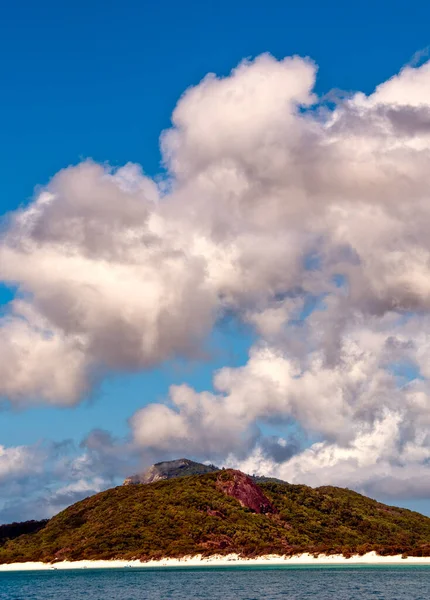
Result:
x=240 y=486
x=170 y=469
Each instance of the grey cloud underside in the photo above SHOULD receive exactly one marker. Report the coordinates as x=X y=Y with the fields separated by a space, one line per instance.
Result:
x=39 y=481
x=308 y=225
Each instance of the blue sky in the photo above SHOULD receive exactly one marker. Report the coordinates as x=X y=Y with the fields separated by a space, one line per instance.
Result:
x=100 y=79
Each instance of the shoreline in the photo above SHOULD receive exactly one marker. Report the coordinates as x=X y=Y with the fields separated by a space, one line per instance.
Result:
x=229 y=560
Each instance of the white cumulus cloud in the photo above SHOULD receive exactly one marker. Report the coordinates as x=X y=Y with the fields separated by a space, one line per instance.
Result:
x=307 y=223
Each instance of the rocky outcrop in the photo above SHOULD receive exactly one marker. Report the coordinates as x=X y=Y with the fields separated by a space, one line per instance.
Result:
x=182 y=467
x=170 y=469
x=240 y=486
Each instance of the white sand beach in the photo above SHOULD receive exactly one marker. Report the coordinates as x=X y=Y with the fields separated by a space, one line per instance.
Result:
x=222 y=561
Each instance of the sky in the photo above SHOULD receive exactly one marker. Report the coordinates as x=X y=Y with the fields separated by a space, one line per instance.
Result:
x=214 y=244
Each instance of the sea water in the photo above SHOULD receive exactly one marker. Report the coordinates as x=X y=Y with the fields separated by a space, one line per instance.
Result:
x=226 y=583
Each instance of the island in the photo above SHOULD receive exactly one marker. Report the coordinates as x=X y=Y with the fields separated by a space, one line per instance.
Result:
x=181 y=508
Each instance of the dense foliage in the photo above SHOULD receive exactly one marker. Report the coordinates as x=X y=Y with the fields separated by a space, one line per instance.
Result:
x=190 y=515
x=13 y=530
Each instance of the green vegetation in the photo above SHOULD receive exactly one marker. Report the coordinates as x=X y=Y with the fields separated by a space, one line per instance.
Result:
x=191 y=515
x=13 y=530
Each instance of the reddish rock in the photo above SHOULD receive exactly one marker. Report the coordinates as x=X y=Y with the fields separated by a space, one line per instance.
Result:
x=240 y=486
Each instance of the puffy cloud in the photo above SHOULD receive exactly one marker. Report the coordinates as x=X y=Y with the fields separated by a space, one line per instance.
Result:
x=370 y=408
x=17 y=462
x=411 y=87
x=329 y=398
x=73 y=492
x=233 y=118
x=38 y=481
x=100 y=293
x=116 y=277
x=374 y=463
x=38 y=360
x=308 y=223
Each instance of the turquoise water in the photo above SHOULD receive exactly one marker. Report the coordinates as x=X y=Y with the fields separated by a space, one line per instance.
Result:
x=232 y=583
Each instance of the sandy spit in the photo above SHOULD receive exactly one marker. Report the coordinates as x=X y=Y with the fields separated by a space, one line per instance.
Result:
x=221 y=561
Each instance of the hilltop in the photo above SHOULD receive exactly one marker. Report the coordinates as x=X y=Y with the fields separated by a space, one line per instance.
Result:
x=170 y=469
x=218 y=513
x=183 y=467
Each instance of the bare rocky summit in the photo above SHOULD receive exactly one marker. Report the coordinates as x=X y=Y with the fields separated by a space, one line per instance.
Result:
x=183 y=467
x=170 y=469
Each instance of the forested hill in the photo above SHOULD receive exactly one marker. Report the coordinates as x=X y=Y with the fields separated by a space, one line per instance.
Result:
x=14 y=530
x=218 y=513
